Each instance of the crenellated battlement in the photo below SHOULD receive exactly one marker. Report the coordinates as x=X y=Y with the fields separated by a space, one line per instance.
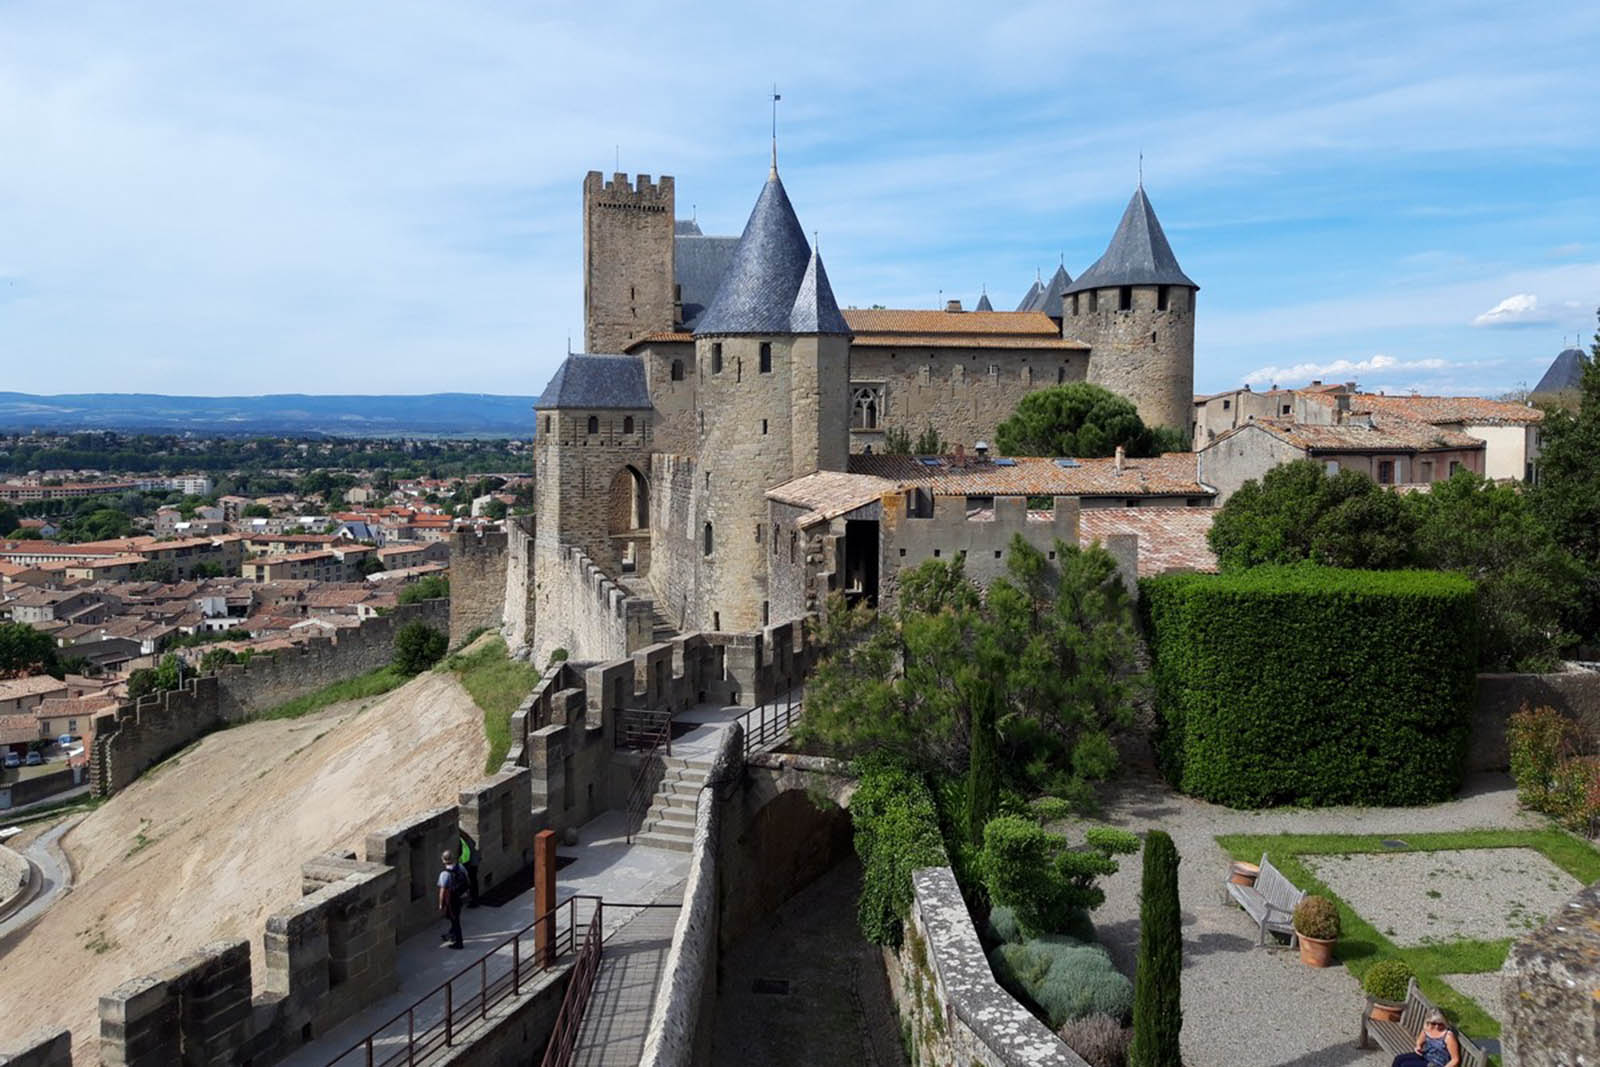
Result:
x=618 y=191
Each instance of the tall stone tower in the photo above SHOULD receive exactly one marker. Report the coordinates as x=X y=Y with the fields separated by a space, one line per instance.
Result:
x=1135 y=309
x=627 y=260
x=772 y=352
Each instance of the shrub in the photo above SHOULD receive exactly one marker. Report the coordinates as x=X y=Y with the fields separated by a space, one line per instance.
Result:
x=896 y=832
x=1099 y=1039
x=1316 y=917
x=1387 y=981
x=417 y=646
x=1538 y=740
x=1003 y=925
x=1312 y=685
x=1064 y=978
x=1157 y=1004
x=1574 y=798
x=1037 y=874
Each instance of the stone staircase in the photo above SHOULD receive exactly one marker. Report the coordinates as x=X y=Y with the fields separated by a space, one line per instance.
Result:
x=662 y=628
x=669 y=823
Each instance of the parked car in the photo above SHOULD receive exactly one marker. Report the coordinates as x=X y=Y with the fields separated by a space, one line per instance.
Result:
x=34 y=760
x=13 y=760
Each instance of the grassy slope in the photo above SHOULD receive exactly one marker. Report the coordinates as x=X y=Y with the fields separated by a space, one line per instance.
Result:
x=371 y=684
x=1361 y=945
x=497 y=684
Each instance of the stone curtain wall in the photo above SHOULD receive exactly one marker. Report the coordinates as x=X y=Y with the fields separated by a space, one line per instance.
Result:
x=329 y=954
x=133 y=737
x=964 y=393
x=477 y=582
x=960 y=1015
x=677 y=516
x=1574 y=693
x=680 y=1026
x=41 y=1050
x=518 y=608
x=1550 y=990
x=585 y=612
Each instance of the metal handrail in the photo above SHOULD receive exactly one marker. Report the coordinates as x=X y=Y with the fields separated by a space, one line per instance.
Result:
x=642 y=790
x=461 y=1010
x=770 y=723
x=564 y=1036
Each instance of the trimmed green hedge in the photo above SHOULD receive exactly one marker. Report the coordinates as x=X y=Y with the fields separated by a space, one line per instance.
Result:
x=1312 y=685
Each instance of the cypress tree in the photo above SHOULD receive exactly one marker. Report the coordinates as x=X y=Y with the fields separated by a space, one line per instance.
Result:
x=1157 y=1004
x=983 y=766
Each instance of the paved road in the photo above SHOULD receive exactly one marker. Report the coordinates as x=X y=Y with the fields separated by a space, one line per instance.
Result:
x=51 y=877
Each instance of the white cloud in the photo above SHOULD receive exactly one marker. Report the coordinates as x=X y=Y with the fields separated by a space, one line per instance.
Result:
x=1336 y=369
x=1519 y=310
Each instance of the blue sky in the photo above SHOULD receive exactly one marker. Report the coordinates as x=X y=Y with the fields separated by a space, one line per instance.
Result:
x=366 y=197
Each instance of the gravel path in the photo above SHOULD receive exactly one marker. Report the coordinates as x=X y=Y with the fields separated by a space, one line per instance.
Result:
x=1243 y=1004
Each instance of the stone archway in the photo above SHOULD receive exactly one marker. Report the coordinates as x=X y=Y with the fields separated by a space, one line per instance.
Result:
x=629 y=520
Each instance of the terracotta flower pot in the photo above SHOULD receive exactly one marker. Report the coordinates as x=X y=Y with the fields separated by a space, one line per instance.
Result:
x=1315 y=952
x=1244 y=873
x=1386 y=1013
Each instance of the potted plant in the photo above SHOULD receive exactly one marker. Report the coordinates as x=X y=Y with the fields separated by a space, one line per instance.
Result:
x=1387 y=984
x=1316 y=924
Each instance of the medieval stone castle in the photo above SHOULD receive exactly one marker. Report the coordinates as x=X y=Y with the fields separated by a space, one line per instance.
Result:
x=722 y=467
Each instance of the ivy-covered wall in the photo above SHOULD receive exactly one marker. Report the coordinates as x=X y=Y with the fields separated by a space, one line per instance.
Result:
x=1312 y=685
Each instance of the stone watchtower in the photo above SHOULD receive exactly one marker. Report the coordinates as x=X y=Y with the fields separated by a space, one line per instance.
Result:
x=772 y=356
x=627 y=260
x=592 y=461
x=1134 y=308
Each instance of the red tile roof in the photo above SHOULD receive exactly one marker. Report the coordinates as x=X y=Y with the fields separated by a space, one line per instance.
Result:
x=1170 y=539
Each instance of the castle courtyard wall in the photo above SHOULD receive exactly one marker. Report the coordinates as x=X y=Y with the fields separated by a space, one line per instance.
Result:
x=478 y=580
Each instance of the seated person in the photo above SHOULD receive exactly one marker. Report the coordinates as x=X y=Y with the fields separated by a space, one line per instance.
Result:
x=1436 y=1045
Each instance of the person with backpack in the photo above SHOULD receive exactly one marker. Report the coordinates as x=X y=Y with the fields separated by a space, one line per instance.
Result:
x=469 y=860
x=452 y=891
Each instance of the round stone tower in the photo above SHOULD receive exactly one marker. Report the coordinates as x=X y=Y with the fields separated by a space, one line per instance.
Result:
x=772 y=355
x=1134 y=308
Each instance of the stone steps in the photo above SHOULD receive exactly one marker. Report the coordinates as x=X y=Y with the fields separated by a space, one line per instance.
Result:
x=670 y=820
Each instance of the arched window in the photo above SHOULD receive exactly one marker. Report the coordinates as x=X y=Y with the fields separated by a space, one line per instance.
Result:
x=627 y=424
x=706 y=547
x=766 y=357
x=677 y=370
x=594 y=424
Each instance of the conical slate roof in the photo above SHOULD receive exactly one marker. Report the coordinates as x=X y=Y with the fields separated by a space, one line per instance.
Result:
x=983 y=303
x=597 y=382
x=1031 y=297
x=1138 y=255
x=1049 y=300
x=1565 y=373
x=757 y=294
x=815 y=310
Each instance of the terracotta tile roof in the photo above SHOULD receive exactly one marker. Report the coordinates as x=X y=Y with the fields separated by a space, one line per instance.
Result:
x=828 y=494
x=32 y=686
x=1448 y=410
x=84 y=705
x=1170 y=539
x=18 y=729
x=1388 y=433
x=1170 y=475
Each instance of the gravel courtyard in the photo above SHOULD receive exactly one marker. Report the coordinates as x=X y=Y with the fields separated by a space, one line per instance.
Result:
x=1243 y=1004
x=1420 y=898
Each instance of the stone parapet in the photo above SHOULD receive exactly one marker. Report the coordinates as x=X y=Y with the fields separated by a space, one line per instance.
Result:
x=196 y=1010
x=1550 y=990
x=414 y=849
x=48 y=1049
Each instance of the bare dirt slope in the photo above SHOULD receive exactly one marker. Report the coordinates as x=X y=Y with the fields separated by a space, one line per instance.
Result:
x=208 y=845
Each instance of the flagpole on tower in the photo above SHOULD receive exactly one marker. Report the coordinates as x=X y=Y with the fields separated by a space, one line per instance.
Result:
x=775 y=99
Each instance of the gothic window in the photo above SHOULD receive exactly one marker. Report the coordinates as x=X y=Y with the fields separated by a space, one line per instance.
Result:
x=866 y=405
x=594 y=424
x=766 y=357
x=677 y=370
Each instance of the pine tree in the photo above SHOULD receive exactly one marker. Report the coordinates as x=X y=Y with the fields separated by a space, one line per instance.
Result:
x=1157 y=1004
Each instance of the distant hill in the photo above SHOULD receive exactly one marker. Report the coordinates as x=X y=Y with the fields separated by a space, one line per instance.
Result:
x=461 y=414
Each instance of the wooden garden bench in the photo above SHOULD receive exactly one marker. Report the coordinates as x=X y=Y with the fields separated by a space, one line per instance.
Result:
x=1395 y=1038
x=1270 y=902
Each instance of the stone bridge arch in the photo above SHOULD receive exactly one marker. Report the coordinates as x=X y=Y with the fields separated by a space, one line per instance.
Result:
x=789 y=825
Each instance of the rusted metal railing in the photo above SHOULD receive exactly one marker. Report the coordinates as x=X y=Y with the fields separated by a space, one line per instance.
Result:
x=643 y=790
x=564 y=1038
x=435 y=1021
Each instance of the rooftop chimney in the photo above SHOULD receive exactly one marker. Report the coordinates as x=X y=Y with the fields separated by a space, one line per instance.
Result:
x=1116 y=463
x=981 y=448
x=952 y=305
